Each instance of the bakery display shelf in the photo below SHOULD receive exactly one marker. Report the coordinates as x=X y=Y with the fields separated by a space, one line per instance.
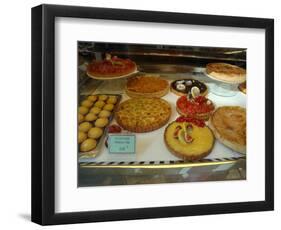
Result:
x=162 y=164
x=151 y=150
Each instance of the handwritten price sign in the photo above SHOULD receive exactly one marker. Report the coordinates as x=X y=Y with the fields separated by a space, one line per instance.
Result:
x=122 y=143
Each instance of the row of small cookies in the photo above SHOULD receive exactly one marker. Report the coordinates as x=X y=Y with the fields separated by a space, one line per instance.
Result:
x=93 y=117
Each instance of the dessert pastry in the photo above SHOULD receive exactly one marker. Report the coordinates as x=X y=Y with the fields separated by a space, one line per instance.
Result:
x=108 y=107
x=147 y=86
x=102 y=97
x=111 y=100
x=92 y=98
x=88 y=145
x=81 y=137
x=183 y=87
x=243 y=87
x=95 y=132
x=101 y=122
x=90 y=117
x=226 y=72
x=80 y=118
x=95 y=110
x=104 y=113
x=83 y=110
x=99 y=104
x=111 y=68
x=87 y=103
x=199 y=107
x=85 y=126
x=143 y=114
x=229 y=126
x=188 y=141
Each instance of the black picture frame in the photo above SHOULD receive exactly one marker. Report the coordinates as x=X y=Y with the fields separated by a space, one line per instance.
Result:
x=43 y=110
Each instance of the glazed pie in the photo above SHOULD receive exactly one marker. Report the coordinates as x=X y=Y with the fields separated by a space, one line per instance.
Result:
x=147 y=86
x=229 y=126
x=111 y=67
x=143 y=114
x=226 y=72
x=188 y=141
x=199 y=107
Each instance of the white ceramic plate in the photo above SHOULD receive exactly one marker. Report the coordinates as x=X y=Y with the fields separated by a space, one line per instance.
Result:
x=111 y=78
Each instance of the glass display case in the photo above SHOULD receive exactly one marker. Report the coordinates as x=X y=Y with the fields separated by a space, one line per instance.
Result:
x=194 y=100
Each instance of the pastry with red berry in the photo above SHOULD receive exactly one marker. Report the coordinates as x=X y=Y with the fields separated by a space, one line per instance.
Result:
x=199 y=107
x=111 y=68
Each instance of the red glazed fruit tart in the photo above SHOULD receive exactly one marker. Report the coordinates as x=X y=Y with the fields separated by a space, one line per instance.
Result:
x=199 y=107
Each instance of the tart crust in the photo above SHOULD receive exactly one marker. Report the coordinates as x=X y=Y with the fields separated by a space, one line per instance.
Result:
x=201 y=116
x=208 y=138
x=143 y=114
x=226 y=72
x=146 y=86
x=229 y=127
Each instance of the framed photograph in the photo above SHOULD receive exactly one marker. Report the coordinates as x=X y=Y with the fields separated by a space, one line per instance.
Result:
x=143 y=114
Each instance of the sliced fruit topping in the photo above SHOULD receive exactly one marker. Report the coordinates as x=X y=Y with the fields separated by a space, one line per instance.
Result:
x=188 y=138
x=184 y=137
x=195 y=91
x=197 y=105
x=189 y=128
x=176 y=133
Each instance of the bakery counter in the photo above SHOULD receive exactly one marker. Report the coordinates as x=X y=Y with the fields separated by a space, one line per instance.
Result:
x=151 y=152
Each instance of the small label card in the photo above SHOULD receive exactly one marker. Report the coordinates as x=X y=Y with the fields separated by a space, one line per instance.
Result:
x=122 y=143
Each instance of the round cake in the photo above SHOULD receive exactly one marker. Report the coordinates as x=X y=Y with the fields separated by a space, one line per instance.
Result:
x=229 y=126
x=111 y=68
x=143 y=114
x=184 y=87
x=199 y=107
x=188 y=141
x=147 y=86
x=226 y=72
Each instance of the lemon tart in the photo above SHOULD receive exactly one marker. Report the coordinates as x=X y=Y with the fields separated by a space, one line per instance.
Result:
x=188 y=141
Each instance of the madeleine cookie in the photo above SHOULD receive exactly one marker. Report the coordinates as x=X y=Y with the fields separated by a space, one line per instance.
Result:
x=88 y=145
x=83 y=110
x=87 y=103
x=104 y=113
x=101 y=122
x=99 y=104
x=85 y=126
x=81 y=137
x=92 y=98
x=108 y=107
x=103 y=97
x=90 y=117
x=112 y=100
x=95 y=132
x=80 y=118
